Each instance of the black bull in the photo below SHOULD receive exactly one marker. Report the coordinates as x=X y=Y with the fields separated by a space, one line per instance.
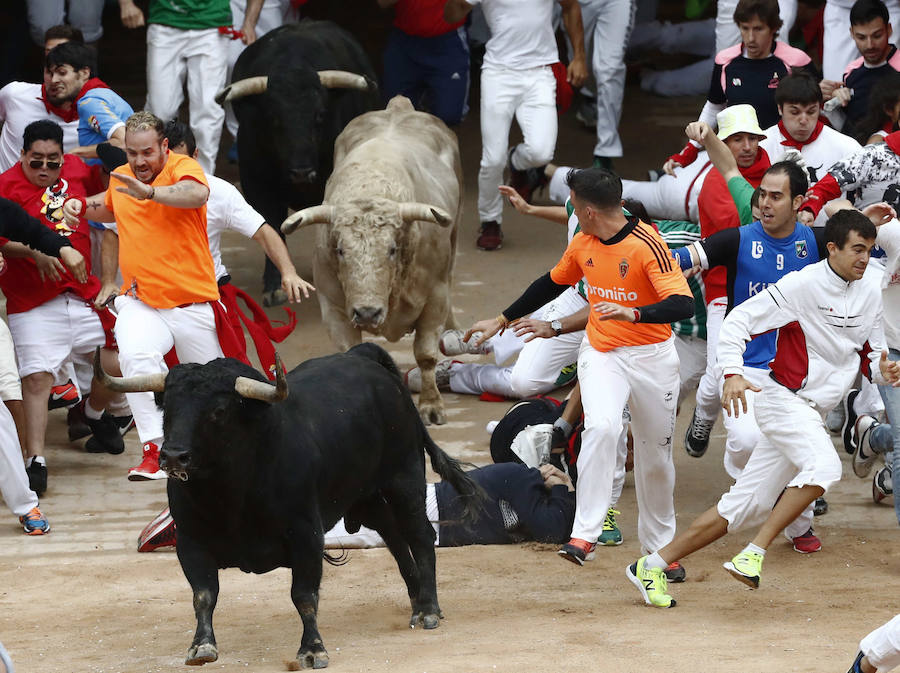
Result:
x=255 y=484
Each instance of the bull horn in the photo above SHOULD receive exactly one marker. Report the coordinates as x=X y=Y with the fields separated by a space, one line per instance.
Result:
x=146 y=383
x=341 y=79
x=311 y=215
x=260 y=390
x=243 y=87
x=412 y=212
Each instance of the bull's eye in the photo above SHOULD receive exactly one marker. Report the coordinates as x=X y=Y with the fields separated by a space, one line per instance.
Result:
x=393 y=250
x=340 y=251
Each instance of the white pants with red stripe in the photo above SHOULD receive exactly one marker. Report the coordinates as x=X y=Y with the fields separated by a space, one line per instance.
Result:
x=13 y=480
x=529 y=95
x=794 y=450
x=882 y=646
x=145 y=334
x=200 y=57
x=647 y=379
x=671 y=198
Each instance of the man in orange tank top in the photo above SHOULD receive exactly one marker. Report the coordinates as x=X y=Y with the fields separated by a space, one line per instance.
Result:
x=628 y=355
x=158 y=201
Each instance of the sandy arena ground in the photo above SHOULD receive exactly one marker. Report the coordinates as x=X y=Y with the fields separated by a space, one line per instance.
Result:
x=81 y=599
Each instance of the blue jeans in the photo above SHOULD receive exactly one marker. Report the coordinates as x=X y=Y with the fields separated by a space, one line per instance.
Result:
x=891 y=397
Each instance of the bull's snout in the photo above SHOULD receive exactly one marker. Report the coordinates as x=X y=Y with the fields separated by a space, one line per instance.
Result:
x=367 y=316
x=175 y=461
x=301 y=176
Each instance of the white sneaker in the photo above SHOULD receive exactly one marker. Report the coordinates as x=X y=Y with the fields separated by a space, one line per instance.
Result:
x=532 y=445
x=863 y=454
x=413 y=377
x=452 y=343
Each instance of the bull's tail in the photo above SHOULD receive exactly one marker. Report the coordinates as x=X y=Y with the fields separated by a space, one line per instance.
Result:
x=450 y=470
x=373 y=351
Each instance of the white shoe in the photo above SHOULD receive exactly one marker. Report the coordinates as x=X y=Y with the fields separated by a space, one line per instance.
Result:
x=452 y=343
x=413 y=377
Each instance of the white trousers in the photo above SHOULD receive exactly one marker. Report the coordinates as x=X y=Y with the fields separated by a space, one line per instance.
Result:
x=709 y=391
x=530 y=96
x=13 y=480
x=10 y=385
x=607 y=29
x=882 y=646
x=841 y=47
x=201 y=57
x=795 y=450
x=728 y=34
x=692 y=363
x=671 y=198
x=274 y=13
x=145 y=334
x=540 y=361
x=365 y=538
x=646 y=378
x=743 y=435
x=49 y=335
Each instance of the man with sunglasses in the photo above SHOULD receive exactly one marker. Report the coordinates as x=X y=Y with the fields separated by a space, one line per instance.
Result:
x=51 y=314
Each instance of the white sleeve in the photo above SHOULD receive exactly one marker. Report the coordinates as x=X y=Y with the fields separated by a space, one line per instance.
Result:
x=889 y=240
x=709 y=112
x=239 y=215
x=768 y=310
x=5 y=94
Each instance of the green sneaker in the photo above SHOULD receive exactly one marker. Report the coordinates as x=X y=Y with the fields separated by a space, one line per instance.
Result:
x=611 y=535
x=651 y=582
x=566 y=375
x=746 y=567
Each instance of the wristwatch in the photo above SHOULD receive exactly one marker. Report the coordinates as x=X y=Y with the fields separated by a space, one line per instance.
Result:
x=556 y=326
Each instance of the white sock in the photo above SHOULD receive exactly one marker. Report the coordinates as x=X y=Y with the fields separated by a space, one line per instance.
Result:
x=757 y=550
x=564 y=425
x=90 y=412
x=40 y=460
x=655 y=561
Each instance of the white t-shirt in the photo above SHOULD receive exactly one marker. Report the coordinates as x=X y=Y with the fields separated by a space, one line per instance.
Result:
x=889 y=240
x=521 y=33
x=821 y=154
x=20 y=104
x=227 y=209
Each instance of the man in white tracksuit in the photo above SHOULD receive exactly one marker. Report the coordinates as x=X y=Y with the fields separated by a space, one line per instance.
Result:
x=826 y=315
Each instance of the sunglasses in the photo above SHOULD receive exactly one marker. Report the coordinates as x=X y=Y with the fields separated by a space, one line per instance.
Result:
x=40 y=163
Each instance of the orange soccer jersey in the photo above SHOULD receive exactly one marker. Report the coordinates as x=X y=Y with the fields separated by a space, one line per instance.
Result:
x=634 y=268
x=164 y=250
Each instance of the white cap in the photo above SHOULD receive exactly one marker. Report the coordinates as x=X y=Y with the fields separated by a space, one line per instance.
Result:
x=738 y=119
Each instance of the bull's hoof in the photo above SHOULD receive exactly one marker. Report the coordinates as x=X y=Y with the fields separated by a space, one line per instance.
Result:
x=426 y=621
x=432 y=413
x=203 y=653
x=274 y=298
x=310 y=659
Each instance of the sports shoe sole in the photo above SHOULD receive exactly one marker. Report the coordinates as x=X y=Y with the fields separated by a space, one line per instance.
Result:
x=849 y=420
x=633 y=578
x=147 y=476
x=610 y=543
x=807 y=551
x=574 y=558
x=752 y=582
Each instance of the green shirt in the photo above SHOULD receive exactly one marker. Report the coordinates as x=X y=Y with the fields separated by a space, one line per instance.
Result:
x=677 y=234
x=190 y=14
x=741 y=193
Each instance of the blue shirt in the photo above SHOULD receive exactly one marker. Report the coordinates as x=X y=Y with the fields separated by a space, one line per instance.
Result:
x=100 y=112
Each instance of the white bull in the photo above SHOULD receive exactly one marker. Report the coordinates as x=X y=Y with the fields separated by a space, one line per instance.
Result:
x=387 y=237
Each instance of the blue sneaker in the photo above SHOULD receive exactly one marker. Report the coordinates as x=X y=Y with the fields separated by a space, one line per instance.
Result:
x=35 y=523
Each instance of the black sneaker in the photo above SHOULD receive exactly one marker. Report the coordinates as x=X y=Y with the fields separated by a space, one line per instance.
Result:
x=77 y=422
x=106 y=437
x=849 y=421
x=820 y=507
x=36 y=469
x=696 y=439
x=124 y=423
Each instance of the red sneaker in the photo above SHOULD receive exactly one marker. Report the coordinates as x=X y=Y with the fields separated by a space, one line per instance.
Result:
x=149 y=467
x=63 y=396
x=158 y=533
x=807 y=543
x=578 y=551
x=675 y=572
x=490 y=237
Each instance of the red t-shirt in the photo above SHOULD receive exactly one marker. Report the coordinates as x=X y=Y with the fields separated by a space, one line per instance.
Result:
x=22 y=283
x=422 y=18
x=717 y=211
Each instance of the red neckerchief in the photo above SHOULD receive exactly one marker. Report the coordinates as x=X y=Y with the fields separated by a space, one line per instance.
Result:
x=789 y=140
x=71 y=114
x=892 y=140
x=757 y=169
